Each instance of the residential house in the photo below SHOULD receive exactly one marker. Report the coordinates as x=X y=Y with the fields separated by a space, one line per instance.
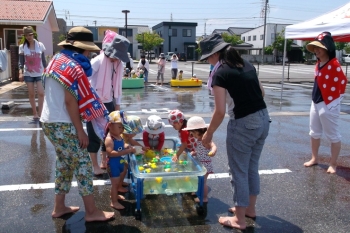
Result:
x=57 y=36
x=14 y=15
x=179 y=37
x=256 y=38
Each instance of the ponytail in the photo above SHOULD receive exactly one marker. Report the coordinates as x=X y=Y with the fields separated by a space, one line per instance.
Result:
x=231 y=57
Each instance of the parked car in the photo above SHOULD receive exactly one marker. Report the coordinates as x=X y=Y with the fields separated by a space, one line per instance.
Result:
x=346 y=58
x=150 y=55
x=168 y=56
x=182 y=57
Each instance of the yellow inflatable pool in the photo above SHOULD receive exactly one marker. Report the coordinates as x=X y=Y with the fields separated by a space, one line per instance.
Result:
x=186 y=83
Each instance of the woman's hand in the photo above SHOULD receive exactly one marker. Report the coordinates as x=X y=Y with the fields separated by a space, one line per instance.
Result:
x=83 y=139
x=21 y=77
x=206 y=139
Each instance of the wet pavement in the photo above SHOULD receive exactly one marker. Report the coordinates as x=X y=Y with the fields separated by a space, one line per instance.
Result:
x=292 y=199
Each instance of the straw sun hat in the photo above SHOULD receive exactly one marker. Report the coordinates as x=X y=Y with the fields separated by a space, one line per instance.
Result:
x=195 y=122
x=81 y=38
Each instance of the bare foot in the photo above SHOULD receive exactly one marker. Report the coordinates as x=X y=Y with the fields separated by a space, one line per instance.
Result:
x=311 y=163
x=232 y=222
x=117 y=206
x=248 y=214
x=99 y=215
x=66 y=210
x=332 y=169
x=122 y=190
x=98 y=171
x=205 y=200
x=119 y=197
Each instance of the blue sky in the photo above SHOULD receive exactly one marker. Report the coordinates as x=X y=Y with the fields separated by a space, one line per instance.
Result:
x=209 y=15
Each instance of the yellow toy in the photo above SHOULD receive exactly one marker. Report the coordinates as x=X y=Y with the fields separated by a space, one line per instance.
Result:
x=167 y=151
x=148 y=170
x=150 y=154
x=187 y=178
x=153 y=166
x=141 y=168
x=159 y=179
x=167 y=169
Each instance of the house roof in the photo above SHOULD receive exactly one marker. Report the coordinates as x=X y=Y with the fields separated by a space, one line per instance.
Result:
x=24 y=10
x=238 y=30
x=220 y=31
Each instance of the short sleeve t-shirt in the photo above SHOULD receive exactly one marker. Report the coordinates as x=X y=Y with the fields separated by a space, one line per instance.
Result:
x=186 y=137
x=33 y=65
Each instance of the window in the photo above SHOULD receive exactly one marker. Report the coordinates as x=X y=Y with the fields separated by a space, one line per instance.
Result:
x=249 y=38
x=12 y=37
x=262 y=37
x=254 y=38
x=186 y=32
x=174 y=32
x=243 y=38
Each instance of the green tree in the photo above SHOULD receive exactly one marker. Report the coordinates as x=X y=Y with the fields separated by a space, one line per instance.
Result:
x=340 y=46
x=347 y=48
x=149 y=40
x=269 y=50
x=278 y=44
x=61 y=37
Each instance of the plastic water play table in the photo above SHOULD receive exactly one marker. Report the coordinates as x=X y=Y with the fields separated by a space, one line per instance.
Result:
x=155 y=176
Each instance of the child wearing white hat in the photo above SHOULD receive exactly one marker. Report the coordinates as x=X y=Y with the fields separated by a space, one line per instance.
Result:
x=196 y=127
x=153 y=134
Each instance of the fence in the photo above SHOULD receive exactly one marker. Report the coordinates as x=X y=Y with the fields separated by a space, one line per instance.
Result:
x=7 y=73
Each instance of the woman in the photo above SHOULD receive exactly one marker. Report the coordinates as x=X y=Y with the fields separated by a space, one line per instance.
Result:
x=106 y=79
x=235 y=82
x=31 y=66
x=68 y=99
x=328 y=91
x=173 y=62
x=144 y=65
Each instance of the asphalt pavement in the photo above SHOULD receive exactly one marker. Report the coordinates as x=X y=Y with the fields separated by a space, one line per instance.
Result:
x=292 y=199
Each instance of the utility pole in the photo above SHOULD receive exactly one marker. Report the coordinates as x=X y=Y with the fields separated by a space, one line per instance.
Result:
x=171 y=17
x=264 y=39
x=205 y=28
x=95 y=22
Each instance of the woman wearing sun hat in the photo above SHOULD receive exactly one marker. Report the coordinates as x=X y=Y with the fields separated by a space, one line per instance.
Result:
x=69 y=99
x=234 y=80
x=32 y=62
x=328 y=91
x=106 y=79
x=153 y=135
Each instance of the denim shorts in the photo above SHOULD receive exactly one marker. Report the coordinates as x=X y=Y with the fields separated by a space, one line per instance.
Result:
x=29 y=79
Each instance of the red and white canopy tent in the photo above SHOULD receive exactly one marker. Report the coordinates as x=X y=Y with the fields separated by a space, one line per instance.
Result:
x=337 y=22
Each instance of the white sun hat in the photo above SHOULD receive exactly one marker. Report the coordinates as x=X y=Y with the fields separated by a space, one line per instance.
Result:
x=154 y=125
x=195 y=122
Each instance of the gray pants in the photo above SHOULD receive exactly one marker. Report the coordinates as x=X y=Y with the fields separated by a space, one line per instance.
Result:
x=244 y=143
x=173 y=73
x=161 y=76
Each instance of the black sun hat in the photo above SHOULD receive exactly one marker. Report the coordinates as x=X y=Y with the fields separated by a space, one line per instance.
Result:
x=212 y=44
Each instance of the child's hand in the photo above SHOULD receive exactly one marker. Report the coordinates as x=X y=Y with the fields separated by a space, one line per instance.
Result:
x=132 y=150
x=174 y=158
x=146 y=148
x=193 y=153
x=212 y=153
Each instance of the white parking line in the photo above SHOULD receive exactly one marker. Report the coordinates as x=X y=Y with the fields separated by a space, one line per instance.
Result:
x=15 y=187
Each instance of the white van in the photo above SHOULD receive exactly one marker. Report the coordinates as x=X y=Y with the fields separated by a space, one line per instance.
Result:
x=346 y=58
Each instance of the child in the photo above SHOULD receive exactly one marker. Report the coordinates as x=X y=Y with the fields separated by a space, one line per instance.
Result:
x=153 y=134
x=161 y=69
x=197 y=127
x=115 y=150
x=141 y=73
x=180 y=74
x=133 y=74
x=177 y=119
x=135 y=124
